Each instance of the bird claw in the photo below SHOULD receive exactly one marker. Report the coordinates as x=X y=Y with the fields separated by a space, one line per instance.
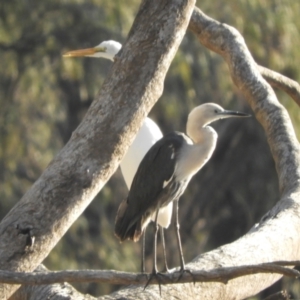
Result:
x=155 y=275
x=184 y=270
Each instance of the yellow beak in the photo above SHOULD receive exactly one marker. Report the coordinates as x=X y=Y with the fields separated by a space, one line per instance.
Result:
x=83 y=52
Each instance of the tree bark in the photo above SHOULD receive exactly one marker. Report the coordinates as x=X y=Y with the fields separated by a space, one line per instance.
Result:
x=291 y=87
x=70 y=182
x=126 y=278
x=42 y=284
x=57 y=291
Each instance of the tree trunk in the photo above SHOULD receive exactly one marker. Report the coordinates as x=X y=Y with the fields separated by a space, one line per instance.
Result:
x=70 y=182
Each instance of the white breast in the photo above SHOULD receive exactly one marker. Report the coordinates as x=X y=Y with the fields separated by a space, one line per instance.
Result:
x=193 y=157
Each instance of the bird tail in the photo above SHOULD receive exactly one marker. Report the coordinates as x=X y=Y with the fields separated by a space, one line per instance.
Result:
x=125 y=226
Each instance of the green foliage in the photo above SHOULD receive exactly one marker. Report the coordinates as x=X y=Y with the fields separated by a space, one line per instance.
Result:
x=43 y=97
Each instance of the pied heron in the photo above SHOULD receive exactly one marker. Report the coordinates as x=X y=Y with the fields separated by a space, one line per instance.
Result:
x=146 y=137
x=165 y=172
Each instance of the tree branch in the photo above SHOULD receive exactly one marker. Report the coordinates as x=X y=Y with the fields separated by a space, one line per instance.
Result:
x=277 y=80
x=222 y=275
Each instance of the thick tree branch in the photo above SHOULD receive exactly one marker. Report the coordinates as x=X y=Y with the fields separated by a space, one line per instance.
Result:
x=277 y=80
x=95 y=149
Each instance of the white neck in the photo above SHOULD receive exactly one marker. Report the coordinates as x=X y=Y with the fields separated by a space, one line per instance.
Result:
x=200 y=134
x=196 y=155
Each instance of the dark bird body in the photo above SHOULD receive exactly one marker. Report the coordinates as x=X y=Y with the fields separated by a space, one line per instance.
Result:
x=151 y=188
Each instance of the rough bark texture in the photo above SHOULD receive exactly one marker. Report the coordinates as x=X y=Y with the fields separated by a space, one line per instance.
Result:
x=70 y=182
x=291 y=87
x=227 y=42
x=57 y=291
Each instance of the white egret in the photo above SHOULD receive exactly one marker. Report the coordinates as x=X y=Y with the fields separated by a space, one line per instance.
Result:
x=147 y=136
x=165 y=172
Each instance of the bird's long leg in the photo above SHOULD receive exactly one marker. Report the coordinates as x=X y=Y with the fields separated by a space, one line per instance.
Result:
x=182 y=264
x=162 y=235
x=177 y=227
x=155 y=272
x=143 y=251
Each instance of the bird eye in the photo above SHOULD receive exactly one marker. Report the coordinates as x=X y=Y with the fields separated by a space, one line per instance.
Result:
x=216 y=111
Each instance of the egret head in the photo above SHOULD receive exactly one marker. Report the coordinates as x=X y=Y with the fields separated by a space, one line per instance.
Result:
x=207 y=113
x=106 y=49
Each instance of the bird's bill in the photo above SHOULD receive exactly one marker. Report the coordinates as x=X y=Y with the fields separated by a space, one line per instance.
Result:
x=84 y=52
x=230 y=113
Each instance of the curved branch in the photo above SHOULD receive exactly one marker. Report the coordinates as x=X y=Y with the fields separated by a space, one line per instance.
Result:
x=277 y=80
x=228 y=42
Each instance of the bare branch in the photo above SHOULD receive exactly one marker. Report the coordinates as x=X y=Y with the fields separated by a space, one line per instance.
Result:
x=291 y=87
x=125 y=278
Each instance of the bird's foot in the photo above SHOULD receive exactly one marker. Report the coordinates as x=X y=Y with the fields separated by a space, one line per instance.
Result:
x=167 y=271
x=184 y=270
x=158 y=276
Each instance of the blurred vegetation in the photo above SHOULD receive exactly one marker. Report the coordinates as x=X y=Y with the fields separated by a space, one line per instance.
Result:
x=43 y=97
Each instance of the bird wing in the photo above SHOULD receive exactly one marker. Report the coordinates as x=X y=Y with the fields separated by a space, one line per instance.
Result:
x=154 y=173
